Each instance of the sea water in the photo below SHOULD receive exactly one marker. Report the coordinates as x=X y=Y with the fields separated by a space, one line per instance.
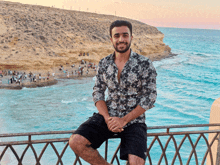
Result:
x=187 y=85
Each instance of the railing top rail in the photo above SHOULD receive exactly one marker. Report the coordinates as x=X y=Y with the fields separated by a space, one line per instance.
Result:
x=4 y=143
x=36 y=133
x=71 y=131
x=183 y=126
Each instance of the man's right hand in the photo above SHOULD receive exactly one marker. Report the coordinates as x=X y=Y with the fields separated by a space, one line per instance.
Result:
x=114 y=124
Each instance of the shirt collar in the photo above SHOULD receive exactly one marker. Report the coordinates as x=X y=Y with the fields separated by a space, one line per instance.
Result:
x=132 y=54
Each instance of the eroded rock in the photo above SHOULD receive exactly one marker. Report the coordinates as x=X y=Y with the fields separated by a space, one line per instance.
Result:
x=58 y=36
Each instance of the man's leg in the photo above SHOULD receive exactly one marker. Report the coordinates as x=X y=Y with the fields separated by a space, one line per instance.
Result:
x=88 y=137
x=134 y=144
x=134 y=160
x=81 y=146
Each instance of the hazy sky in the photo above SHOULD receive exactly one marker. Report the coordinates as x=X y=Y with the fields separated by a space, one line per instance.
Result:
x=203 y=14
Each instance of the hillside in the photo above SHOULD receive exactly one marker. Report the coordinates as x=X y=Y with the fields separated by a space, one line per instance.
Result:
x=39 y=38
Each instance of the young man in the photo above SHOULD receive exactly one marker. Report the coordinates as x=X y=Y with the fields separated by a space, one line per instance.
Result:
x=131 y=82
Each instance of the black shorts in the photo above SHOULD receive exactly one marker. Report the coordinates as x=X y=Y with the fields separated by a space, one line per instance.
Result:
x=133 y=138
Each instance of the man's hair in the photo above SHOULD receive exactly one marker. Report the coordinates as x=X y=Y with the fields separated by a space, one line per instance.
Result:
x=119 y=23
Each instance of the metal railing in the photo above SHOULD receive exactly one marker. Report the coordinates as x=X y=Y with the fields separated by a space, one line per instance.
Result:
x=164 y=147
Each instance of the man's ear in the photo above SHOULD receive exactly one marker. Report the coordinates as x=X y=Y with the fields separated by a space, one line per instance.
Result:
x=111 y=40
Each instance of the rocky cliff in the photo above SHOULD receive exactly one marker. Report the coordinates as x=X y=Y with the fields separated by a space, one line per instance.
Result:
x=39 y=38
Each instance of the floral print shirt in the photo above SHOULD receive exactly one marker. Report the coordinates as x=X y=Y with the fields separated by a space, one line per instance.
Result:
x=137 y=85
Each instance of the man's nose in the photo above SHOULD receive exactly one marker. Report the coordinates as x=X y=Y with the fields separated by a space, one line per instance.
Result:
x=121 y=38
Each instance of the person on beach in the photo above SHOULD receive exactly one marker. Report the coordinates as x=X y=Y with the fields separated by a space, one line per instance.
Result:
x=1 y=74
x=131 y=82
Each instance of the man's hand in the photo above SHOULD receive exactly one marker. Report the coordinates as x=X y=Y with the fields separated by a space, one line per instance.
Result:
x=116 y=124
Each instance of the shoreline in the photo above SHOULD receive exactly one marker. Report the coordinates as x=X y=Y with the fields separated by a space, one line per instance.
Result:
x=58 y=75
x=40 y=83
x=33 y=85
x=47 y=80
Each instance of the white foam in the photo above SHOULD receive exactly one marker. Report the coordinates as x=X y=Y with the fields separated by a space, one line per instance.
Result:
x=84 y=99
x=66 y=102
x=186 y=110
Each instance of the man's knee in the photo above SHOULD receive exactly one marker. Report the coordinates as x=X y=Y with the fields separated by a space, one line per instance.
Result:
x=72 y=141
x=134 y=160
x=78 y=142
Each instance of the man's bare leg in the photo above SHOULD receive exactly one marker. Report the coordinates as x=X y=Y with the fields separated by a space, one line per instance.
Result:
x=134 y=160
x=81 y=146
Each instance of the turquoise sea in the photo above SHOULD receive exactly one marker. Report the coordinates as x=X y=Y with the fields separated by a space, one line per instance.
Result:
x=187 y=85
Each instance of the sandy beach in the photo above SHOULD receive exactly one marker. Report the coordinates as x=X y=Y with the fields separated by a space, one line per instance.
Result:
x=48 y=77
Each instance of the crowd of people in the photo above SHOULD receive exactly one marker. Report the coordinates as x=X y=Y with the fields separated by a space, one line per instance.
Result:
x=83 y=68
x=18 y=77
x=84 y=54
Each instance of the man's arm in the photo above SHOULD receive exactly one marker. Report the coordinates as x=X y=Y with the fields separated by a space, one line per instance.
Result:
x=147 y=98
x=102 y=108
x=148 y=81
x=133 y=114
x=116 y=124
x=100 y=85
x=99 y=95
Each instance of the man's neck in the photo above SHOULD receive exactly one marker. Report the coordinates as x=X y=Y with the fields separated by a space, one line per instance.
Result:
x=122 y=57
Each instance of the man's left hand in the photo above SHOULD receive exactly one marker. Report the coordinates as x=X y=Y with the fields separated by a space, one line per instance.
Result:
x=116 y=124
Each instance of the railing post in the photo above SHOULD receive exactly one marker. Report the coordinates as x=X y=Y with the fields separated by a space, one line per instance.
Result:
x=218 y=153
x=106 y=149
x=168 y=130
x=29 y=138
x=214 y=118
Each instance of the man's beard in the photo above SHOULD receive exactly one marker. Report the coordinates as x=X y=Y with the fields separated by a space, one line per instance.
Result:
x=122 y=51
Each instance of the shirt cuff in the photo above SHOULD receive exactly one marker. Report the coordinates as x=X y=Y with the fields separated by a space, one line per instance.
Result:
x=98 y=99
x=146 y=107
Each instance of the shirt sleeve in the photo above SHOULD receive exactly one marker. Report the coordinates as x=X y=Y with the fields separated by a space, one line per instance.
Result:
x=100 y=85
x=149 y=92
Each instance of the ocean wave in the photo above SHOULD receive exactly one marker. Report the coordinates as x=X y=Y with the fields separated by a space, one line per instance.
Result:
x=191 y=75
x=205 y=54
x=68 y=102
x=187 y=110
x=172 y=61
x=199 y=96
x=186 y=93
x=75 y=100
x=85 y=98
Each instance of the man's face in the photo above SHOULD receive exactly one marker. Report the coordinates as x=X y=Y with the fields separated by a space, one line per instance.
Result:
x=121 y=39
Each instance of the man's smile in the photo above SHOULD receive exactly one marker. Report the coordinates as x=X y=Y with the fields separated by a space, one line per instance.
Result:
x=122 y=43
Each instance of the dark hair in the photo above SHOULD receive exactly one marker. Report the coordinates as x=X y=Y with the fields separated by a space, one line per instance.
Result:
x=119 y=23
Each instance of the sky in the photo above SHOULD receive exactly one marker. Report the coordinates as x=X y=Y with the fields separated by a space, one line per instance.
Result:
x=202 y=14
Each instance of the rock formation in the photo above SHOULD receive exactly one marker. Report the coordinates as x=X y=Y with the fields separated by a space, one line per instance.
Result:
x=39 y=38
